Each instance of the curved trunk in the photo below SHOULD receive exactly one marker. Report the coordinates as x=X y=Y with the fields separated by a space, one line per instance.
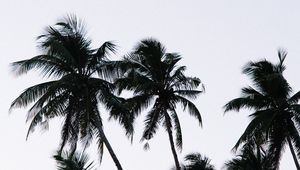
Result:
x=172 y=142
x=109 y=148
x=293 y=153
x=101 y=132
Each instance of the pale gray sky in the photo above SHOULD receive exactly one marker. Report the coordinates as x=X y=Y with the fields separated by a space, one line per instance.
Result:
x=215 y=38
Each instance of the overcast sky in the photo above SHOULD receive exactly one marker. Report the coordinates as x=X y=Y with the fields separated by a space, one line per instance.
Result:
x=215 y=39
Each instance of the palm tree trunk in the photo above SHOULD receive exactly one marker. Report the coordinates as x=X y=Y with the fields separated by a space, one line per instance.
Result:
x=109 y=148
x=293 y=152
x=101 y=132
x=172 y=142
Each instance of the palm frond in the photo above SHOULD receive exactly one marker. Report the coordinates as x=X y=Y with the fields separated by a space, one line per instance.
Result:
x=282 y=56
x=105 y=49
x=138 y=103
x=186 y=83
x=100 y=148
x=260 y=123
x=47 y=65
x=177 y=128
x=51 y=109
x=78 y=161
x=197 y=161
x=123 y=115
x=252 y=93
x=276 y=146
x=66 y=131
x=31 y=94
x=151 y=123
x=295 y=98
x=193 y=94
x=294 y=135
x=99 y=61
x=135 y=82
x=244 y=102
x=192 y=109
x=171 y=59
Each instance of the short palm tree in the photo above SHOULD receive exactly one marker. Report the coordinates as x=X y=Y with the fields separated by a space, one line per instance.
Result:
x=78 y=83
x=249 y=160
x=252 y=156
x=195 y=161
x=276 y=110
x=75 y=161
x=153 y=75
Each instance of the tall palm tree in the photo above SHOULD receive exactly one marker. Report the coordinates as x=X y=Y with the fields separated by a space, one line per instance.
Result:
x=75 y=161
x=276 y=110
x=195 y=161
x=153 y=74
x=78 y=82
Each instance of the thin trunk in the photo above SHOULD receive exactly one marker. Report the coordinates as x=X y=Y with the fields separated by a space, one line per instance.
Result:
x=172 y=142
x=109 y=148
x=293 y=153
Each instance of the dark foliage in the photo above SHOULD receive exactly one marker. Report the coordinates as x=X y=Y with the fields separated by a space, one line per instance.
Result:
x=276 y=110
x=79 y=81
x=154 y=77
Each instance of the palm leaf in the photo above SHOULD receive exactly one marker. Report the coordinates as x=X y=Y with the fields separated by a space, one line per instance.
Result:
x=151 y=122
x=193 y=94
x=295 y=98
x=177 y=128
x=192 y=109
x=73 y=162
x=260 y=123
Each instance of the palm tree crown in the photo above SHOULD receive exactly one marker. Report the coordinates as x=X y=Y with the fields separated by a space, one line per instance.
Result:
x=76 y=161
x=153 y=75
x=276 y=110
x=78 y=83
x=248 y=160
x=252 y=156
x=197 y=162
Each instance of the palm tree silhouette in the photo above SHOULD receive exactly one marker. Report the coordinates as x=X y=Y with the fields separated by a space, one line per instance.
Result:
x=153 y=74
x=75 y=161
x=252 y=156
x=276 y=111
x=249 y=160
x=195 y=161
x=78 y=83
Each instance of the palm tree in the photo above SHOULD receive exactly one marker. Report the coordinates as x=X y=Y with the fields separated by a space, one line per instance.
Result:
x=153 y=74
x=252 y=156
x=78 y=83
x=249 y=160
x=276 y=110
x=195 y=161
x=76 y=161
